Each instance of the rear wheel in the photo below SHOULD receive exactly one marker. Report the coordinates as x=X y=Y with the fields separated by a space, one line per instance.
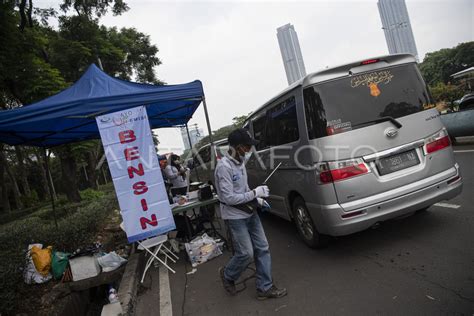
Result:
x=305 y=225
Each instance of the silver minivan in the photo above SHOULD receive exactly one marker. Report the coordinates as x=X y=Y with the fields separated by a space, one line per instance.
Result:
x=359 y=144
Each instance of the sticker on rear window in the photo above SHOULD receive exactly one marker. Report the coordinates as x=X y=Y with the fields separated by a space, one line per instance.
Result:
x=372 y=80
x=337 y=126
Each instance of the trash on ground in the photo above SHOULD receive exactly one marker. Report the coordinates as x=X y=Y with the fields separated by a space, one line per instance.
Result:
x=110 y=261
x=31 y=275
x=113 y=297
x=202 y=249
x=192 y=271
x=59 y=262
x=84 y=267
x=41 y=259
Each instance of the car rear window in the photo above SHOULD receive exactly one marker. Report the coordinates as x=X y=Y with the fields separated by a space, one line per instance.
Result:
x=349 y=103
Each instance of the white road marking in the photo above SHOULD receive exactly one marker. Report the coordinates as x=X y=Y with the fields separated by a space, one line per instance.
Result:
x=464 y=151
x=441 y=204
x=166 y=308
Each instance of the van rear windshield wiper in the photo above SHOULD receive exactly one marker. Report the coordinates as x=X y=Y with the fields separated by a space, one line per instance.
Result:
x=382 y=119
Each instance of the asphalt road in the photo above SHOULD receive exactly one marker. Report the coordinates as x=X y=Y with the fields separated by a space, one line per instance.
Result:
x=419 y=265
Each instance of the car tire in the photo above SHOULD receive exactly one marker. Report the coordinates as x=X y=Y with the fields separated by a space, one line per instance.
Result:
x=305 y=225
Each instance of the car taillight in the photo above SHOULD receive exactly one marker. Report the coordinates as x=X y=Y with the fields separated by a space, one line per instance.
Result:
x=437 y=142
x=324 y=173
x=341 y=170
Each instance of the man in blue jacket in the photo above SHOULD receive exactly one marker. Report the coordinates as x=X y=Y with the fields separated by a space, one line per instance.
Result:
x=247 y=232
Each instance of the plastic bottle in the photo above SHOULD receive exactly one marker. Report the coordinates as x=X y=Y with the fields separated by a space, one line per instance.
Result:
x=113 y=297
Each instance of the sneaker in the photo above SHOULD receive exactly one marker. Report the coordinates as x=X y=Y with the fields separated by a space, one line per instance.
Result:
x=229 y=286
x=272 y=292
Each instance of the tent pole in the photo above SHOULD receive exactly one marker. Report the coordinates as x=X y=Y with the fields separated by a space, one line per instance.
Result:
x=51 y=179
x=191 y=150
x=100 y=63
x=50 y=183
x=207 y=120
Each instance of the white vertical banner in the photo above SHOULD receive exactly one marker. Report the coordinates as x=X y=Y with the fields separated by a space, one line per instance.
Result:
x=136 y=173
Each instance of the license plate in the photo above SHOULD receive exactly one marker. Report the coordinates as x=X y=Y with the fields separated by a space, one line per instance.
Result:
x=397 y=162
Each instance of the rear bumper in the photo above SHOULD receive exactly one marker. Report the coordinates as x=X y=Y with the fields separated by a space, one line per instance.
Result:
x=328 y=218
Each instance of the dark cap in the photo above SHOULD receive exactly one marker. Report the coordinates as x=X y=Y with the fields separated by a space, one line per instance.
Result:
x=241 y=136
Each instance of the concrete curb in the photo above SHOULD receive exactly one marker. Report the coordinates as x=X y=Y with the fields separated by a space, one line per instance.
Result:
x=127 y=292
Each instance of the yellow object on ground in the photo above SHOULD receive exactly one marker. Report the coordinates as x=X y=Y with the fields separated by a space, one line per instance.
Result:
x=42 y=259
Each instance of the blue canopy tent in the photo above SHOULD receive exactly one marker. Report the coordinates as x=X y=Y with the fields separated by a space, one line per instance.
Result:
x=69 y=116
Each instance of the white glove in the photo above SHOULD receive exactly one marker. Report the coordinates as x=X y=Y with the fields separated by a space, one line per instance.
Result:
x=262 y=191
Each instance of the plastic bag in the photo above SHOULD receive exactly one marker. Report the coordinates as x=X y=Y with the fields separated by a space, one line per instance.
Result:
x=202 y=249
x=41 y=259
x=111 y=261
x=30 y=275
x=59 y=263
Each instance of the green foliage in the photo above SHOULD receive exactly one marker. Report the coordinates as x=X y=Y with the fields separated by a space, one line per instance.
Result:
x=139 y=55
x=12 y=216
x=440 y=65
x=238 y=121
x=91 y=195
x=30 y=200
x=25 y=76
x=61 y=201
x=75 y=230
x=91 y=8
x=446 y=92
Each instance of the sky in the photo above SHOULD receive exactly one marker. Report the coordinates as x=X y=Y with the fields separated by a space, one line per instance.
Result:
x=231 y=46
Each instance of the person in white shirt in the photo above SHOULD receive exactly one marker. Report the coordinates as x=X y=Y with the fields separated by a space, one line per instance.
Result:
x=176 y=173
x=249 y=240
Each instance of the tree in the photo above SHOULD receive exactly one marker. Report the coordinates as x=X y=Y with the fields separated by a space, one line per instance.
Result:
x=3 y=185
x=37 y=61
x=438 y=66
x=446 y=92
x=94 y=8
x=238 y=121
x=25 y=76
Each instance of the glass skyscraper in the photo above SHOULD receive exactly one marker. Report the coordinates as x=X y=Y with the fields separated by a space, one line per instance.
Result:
x=291 y=53
x=397 y=27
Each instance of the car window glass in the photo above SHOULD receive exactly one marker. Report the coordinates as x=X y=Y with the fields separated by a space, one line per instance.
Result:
x=206 y=154
x=203 y=156
x=345 y=104
x=259 y=131
x=282 y=123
